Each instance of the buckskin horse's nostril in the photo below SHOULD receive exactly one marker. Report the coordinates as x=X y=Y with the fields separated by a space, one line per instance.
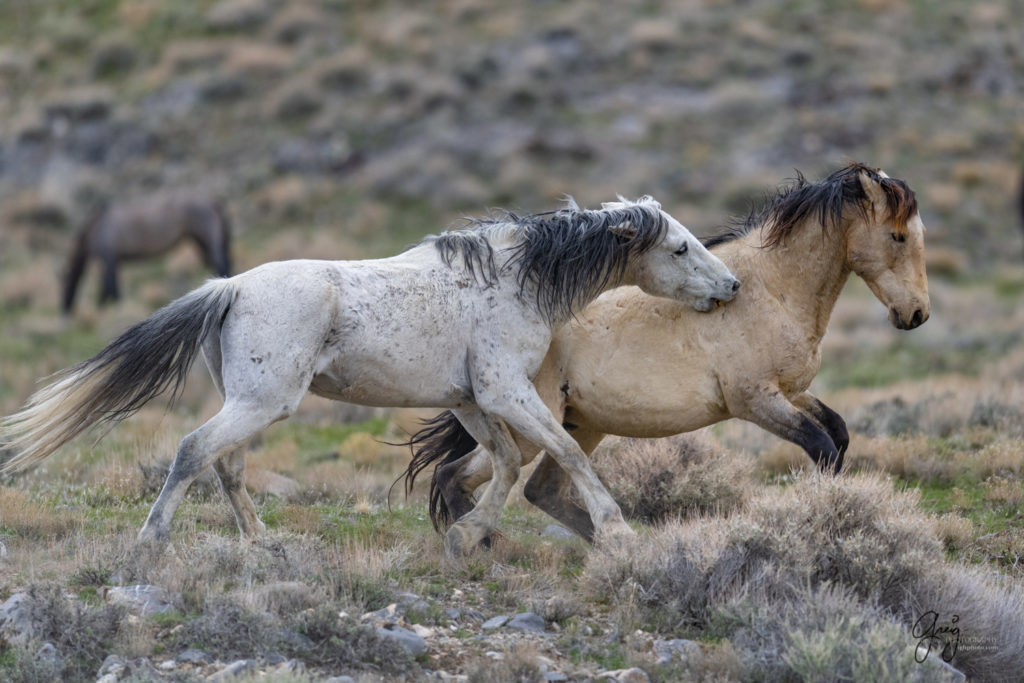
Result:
x=917 y=319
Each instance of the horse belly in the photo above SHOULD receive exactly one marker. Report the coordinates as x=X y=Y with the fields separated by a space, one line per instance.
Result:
x=375 y=385
x=366 y=367
x=630 y=402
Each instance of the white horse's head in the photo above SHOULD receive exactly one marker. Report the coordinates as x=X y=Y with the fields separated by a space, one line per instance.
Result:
x=679 y=267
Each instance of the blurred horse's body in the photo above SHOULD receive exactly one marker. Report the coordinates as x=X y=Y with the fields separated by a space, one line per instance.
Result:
x=153 y=225
x=461 y=321
x=634 y=365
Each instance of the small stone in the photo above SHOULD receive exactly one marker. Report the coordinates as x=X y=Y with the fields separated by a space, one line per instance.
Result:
x=387 y=615
x=423 y=631
x=48 y=653
x=168 y=665
x=473 y=615
x=556 y=531
x=192 y=656
x=292 y=666
x=113 y=664
x=634 y=675
x=340 y=679
x=527 y=621
x=453 y=613
x=145 y=601
x=108 y=678
x=496 y=656
x=411 y=641
x=275 y=658
x=676 y=648
x=17 y=618
x=233 y=15
x=234 y=669
x=555 y=676
x=495 y=622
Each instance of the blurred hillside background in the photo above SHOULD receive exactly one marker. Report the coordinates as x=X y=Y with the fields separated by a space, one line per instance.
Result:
x=347 y=129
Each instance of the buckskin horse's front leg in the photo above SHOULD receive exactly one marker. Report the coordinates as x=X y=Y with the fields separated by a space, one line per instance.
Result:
x=831 y=421
x=769 y=409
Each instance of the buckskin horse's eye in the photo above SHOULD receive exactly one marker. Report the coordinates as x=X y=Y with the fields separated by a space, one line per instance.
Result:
x=898 y=237
x=681 y=250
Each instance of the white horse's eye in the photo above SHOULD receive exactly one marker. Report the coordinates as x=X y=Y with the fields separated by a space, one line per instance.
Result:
x=898 y=237
x=681 y=250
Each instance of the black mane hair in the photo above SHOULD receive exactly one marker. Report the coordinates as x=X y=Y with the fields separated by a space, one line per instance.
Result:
x=825 y=201
x=569 y=255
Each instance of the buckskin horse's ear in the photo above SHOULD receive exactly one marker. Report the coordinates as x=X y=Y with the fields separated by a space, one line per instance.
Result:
x=627 y=230
x=874 y=191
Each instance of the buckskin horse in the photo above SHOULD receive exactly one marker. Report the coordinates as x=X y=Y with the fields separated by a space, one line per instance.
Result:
x=635 y=365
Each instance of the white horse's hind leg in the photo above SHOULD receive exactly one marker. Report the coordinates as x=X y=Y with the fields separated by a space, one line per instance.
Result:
x=463 y=536
x=235 y=424
x=230 y=468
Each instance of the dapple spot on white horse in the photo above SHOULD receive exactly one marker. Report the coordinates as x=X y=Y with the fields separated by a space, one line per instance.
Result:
x=633 y=365
x=461 y=321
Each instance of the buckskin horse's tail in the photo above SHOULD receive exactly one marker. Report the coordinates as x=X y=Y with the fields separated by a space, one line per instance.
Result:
x=137 y=366
x=442 y=440
x=78 y=259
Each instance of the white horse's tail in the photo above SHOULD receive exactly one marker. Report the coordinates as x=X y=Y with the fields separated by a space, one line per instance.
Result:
x=112 y=385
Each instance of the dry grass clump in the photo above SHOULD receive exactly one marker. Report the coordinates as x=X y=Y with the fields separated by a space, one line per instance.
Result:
x=518 y=664
x=82 y=636
x=339 y=643
x=319 y=636
x=854 y=535
x=974 y=456
x=29 y=520
x=654 y=479
x=988 y=608
x=822 y=634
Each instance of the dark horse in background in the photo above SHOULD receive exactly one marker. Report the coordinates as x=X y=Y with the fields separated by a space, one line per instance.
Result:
x=153 y=225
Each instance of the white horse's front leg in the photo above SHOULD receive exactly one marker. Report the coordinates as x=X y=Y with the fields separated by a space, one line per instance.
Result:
x=523 y=410
x=466 y=533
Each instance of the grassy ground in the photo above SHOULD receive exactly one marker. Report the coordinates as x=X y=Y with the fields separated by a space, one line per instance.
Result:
x=931 y=499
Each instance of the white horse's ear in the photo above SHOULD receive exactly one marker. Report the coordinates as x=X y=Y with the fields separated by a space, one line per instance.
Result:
x=627 y=230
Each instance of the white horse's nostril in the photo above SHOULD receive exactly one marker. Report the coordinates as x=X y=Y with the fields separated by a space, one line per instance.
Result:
x=735 y=285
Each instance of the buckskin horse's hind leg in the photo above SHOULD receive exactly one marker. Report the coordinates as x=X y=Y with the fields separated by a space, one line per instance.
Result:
x=551 y=490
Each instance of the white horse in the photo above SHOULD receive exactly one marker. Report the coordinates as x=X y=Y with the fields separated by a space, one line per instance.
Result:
x=461 y=321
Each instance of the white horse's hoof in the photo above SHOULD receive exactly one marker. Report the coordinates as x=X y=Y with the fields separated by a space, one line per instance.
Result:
x=463 y=537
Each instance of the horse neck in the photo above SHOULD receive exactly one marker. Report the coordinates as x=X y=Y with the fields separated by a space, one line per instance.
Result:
x=807 y=272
